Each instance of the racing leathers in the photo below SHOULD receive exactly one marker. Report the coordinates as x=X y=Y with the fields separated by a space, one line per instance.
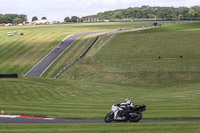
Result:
x=122 y=108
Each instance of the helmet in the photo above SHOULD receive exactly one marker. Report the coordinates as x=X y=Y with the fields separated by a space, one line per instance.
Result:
x=127 y=100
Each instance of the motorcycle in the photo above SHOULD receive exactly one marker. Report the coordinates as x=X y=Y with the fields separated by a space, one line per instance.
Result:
x=132 y=114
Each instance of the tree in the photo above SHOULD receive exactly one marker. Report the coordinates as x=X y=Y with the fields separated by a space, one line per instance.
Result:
x=183 y=10
x=67 y=19
x=151 y=16
x=44 y=18
x=150 y=12
x=10 y=17
x=180 y=16
x=34 y=18
x=74 y=18
x=191 y=12
x=197 y=11
x=22 y=17
x=17 y=20
x=2 y=19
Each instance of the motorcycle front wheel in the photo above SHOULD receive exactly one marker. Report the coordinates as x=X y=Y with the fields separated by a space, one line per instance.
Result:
x=136 y=118
x=109 y=117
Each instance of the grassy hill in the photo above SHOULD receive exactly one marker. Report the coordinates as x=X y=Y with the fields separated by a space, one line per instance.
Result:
x=106 y=76
x=127 y=67
x=20 y=53
x=133 y=57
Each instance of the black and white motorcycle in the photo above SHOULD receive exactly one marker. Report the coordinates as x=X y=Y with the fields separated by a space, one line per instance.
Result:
x=132 y=114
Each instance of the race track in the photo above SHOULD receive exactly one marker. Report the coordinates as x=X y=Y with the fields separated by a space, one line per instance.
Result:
x=23 y=120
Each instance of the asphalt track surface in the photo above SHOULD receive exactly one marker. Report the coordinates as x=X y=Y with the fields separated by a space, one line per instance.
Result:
x=50 y=58
x=22 y=120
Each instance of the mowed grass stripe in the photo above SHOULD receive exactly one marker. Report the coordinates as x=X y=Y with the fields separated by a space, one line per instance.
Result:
x=22 y=47
x=179 y=127
x=11 y=52
x=91 y=100
x=10 y=46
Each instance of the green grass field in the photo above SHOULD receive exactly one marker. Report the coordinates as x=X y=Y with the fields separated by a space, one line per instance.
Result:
x=128 y=67
x=102 y=128
x=71 y=99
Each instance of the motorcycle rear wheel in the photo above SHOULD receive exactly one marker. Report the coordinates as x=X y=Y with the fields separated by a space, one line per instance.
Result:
x=109 y=117
x=137 y=118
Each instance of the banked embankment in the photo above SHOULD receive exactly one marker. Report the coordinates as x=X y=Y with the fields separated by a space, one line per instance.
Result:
x=93 y=42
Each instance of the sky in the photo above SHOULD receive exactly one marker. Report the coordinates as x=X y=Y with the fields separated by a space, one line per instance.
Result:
x=57 y=10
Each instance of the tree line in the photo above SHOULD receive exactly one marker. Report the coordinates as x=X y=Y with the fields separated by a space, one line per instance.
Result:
x=72 y=19
x=13 y=18
x=149 y=12
x=36 y=18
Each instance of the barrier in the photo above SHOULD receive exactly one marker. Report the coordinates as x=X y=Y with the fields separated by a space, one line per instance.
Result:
x=8 y=75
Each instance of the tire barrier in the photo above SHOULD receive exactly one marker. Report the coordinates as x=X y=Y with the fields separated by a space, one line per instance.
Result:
x=8 y=75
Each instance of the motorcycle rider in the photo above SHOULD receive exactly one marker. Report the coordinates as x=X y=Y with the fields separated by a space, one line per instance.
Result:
x=125 y=107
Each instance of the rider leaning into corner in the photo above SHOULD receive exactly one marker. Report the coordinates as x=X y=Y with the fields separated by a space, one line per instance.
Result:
x=125 y=106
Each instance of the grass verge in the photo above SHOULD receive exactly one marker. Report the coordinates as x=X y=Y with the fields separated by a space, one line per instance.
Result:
x=102 y=128
x=71 y=99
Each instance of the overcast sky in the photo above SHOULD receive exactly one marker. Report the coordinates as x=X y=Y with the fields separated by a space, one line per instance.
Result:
x=59 y=9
